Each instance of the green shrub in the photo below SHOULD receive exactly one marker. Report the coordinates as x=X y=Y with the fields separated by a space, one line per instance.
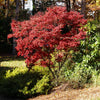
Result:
x=86 y=60
x=79 y=77
x=21 y=83
x=89 y=53
x=42 y=87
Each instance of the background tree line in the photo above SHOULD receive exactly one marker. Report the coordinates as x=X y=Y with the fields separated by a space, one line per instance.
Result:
x=86 y=7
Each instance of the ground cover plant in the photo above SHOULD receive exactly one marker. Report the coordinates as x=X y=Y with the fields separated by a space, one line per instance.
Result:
x=49 y=35
x=16 y=81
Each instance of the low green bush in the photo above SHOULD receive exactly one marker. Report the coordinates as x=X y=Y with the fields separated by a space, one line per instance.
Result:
x=79 y=77
x=18 y=82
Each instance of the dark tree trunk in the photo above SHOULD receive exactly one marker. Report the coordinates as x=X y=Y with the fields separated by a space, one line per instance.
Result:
x=34 y=7
x=83 y=8
x=6 y=8
x=17 y=9
x=68 y=5
x=16 y=18
x=73 y=5
x=42 y=8
x=23 y=4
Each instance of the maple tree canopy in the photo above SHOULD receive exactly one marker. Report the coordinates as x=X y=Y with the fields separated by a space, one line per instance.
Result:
x=44 y=33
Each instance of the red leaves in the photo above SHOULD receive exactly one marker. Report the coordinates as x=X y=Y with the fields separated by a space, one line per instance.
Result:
x=10 y=36
x=38 y=37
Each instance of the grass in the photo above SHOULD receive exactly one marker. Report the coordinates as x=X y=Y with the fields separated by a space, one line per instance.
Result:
x=14 y=63
x=17 y=62
x=15 y=80
x=8 y=61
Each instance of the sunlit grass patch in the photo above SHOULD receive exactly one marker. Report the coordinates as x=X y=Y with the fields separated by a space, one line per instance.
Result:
x=14 y=63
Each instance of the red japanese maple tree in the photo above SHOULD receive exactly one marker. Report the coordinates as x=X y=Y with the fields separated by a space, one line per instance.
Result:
x=48 y=34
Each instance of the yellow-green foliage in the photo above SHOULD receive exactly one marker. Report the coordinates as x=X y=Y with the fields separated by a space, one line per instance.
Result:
x=42 y=84
x=15 y=80
x=15 y=72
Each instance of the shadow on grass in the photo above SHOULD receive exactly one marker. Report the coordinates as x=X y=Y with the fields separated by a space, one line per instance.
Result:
x=3 y=71
x=15 y=83
x=12 y=85
x=10 y=58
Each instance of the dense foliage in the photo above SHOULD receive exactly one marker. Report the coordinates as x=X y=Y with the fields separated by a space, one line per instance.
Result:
x=18 y=82
x=47 y=33
x=89 y=49
x=86 y=67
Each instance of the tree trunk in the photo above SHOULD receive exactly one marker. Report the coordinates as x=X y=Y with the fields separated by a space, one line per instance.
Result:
x=68 y=5
x=23 y=4
x=16 y=18
x=34 y=7
x=83 y=8
x=42 y=8
x=73 y=5
x=17 y=9
x=98 y=15
x=7 y=8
